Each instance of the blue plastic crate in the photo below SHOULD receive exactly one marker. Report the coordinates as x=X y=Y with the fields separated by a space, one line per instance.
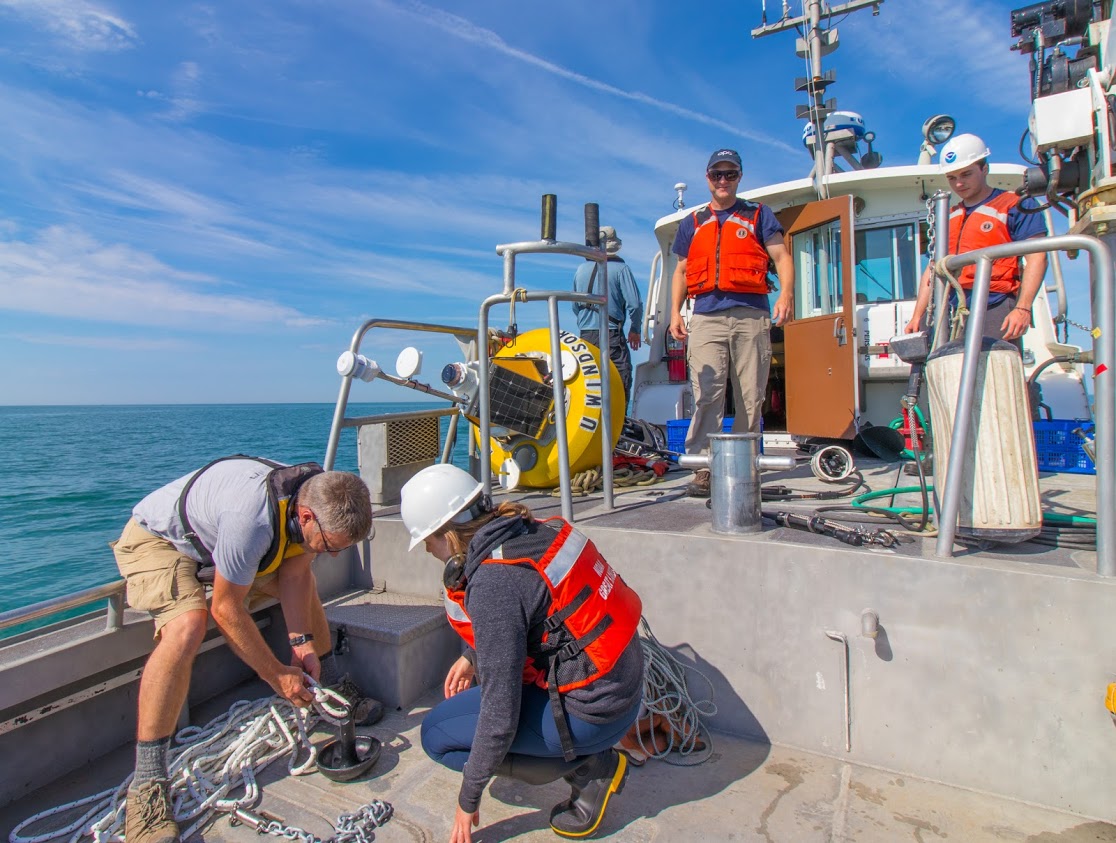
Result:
x=1059 y=448
x=678 y=428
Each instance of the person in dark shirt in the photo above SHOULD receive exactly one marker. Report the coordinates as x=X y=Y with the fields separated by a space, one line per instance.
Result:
x=558 y=686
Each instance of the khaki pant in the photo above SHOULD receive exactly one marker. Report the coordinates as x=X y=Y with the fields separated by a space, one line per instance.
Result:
x=163 y=581
x=733 y=345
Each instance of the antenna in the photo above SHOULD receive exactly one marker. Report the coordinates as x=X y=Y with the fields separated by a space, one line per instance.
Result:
x=816 y=43
x=680 y=203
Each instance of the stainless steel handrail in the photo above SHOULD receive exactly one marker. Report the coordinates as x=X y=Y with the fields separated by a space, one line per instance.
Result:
x=113 y=592
x=552 y=297
x=1104 y=389
x=339 y=420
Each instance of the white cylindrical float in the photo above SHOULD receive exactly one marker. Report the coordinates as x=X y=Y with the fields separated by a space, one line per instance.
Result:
x=1000 y=499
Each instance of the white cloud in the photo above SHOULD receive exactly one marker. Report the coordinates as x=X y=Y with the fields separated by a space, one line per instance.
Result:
x=101 y=343
x=464 y=29
x=80 y=24
x=949 y=45
x=64 y=272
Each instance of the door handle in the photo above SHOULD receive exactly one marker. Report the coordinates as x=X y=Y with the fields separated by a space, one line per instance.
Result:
x=839 y=330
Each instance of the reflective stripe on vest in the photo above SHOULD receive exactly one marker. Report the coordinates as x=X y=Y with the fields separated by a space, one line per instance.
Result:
x=985 y=225
x=586 y=594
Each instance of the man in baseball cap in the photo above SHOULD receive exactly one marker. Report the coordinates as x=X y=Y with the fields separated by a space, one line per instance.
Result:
x=724 y=249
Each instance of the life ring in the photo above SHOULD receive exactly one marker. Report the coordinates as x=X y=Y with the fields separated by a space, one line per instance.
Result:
x=522 y=407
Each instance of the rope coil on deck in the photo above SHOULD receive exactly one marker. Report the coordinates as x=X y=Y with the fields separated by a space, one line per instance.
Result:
x=586 y=482
x=210 y=763
x=670 y=723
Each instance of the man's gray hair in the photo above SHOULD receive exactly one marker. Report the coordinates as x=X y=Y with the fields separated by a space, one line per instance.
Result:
x=341 y=503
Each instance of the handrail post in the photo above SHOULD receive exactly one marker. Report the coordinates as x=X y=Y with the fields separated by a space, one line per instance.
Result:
x=115 y=617
x=939 y=300
x=558 y=385
x=1103 y=302
x=959 y=441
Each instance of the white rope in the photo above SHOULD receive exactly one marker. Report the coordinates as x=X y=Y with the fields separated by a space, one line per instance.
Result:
x=212 y=768
x=666 y=696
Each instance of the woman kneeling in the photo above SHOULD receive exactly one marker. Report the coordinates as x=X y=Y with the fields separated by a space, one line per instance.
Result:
x=550 y=629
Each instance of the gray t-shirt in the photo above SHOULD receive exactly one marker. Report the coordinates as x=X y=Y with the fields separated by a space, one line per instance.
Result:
x=227 y=508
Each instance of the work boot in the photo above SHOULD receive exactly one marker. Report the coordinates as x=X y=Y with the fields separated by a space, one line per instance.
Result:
x=591 y=786
x=364 y=710
x=149 y=817
x=535 y=769
x=699 y=486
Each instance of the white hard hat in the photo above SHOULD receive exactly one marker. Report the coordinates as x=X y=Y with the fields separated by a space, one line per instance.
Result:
x=435 y=496
x=962 y=151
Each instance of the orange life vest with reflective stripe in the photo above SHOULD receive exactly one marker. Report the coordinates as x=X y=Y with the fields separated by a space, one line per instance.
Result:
x=727 y=256
x=985 y=225
x=592 y=617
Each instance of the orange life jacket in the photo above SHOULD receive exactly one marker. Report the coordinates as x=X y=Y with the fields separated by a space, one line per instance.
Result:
x=985 y=225
x=728 y=256
x=592 y=617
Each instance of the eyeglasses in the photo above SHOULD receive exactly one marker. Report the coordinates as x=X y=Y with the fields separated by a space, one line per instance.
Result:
x=723 y=175
x=325 y=541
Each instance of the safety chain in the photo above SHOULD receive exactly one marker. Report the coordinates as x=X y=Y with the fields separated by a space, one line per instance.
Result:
x=358 y=827
x=1085 y=328
x=931 y=221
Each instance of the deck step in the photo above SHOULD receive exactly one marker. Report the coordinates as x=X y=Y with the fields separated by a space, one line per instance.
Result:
x=399 y=645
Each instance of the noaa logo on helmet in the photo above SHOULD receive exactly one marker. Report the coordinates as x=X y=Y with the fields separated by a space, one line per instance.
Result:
x=986 y=227
x=950 y=157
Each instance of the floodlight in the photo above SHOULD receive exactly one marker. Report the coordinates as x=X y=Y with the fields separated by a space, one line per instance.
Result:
x=938 y=129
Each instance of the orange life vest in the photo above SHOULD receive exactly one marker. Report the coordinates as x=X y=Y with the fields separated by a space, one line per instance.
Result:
x=985 y=225
x=727 y=256
x=592 y=617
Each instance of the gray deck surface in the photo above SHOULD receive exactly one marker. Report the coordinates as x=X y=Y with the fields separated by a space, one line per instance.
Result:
x=745 y=792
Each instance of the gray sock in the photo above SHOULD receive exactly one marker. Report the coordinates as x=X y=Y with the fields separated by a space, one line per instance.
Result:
x=330 y=674
x=151 y=759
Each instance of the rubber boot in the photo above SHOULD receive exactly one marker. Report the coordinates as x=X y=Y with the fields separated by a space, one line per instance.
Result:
x=591 y=786
x=536 y=770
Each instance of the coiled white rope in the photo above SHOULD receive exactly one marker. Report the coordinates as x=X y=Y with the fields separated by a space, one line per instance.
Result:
x=666 y=697
x=207 y=767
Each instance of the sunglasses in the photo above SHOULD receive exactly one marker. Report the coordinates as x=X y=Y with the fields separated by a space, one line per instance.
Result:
x=723 y=175
x=325 y=541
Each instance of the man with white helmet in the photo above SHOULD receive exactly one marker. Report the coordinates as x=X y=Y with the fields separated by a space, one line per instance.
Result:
x=988 y=216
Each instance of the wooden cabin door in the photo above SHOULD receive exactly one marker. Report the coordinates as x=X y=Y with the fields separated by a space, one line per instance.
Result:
x=820 y=342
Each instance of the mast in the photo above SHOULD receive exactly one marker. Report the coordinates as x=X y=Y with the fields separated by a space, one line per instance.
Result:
x=817 y=42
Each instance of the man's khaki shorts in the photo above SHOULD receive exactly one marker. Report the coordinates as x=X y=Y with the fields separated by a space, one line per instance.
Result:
x=163 y=581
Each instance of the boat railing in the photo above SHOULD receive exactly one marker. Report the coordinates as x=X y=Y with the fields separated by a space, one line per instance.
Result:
x=654 y=285
x=340 y=421
x=480 y=335
x=1104 y=342
x=113 y=592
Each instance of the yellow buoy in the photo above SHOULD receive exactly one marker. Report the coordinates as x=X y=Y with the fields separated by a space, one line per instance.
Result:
x=522 y=406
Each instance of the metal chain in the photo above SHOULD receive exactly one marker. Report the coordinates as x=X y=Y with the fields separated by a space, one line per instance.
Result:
x=358 y=827
x=930 y=222
x=1085 y=328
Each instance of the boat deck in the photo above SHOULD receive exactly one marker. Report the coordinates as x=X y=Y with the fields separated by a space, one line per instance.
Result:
x=745 y=791
x=664 y=507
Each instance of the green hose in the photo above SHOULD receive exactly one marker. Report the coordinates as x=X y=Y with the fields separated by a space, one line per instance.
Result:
x=860 y=500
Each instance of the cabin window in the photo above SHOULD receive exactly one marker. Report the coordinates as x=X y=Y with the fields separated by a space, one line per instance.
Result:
x=817 y=271
x=886 y=264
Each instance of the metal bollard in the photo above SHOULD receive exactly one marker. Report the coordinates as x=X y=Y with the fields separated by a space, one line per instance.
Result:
x=734 y=463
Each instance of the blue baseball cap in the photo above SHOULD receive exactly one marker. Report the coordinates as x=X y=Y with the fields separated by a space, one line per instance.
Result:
x=730 y=155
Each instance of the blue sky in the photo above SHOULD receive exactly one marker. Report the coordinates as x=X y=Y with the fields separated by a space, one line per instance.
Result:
x=200 y=202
